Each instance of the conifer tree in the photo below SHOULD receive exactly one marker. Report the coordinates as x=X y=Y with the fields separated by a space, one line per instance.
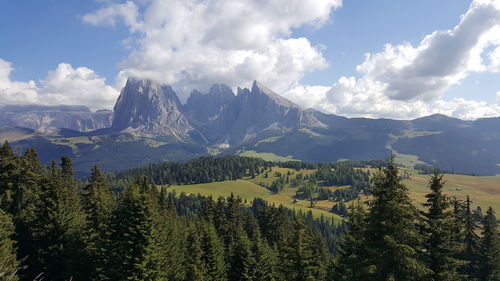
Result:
x=350 y=253
x=134 y=255
x=196 y=268
x=9 y=176
x=265 y=259
x=241 y=260
x=489 y=257
x=27 y=204
x=213 y=254
x=9 y=264
x=392 y=238
x=302 y=256
x=442 y=241
x=471 y=240
x=57 y=230
x=98 y=204
x=169 y=237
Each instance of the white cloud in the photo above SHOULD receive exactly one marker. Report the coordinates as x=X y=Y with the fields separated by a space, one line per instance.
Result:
x=494 y=57
x=11 y=91
x=192 y=44
x=128 y=12
x=442 y=59
x=365 y=98
x=79 y=86
x=405 y=82
x=64 y=85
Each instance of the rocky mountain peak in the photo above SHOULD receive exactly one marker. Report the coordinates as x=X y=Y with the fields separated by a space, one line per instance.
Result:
x=221 y=90
x=259 y=89
x=149 y=108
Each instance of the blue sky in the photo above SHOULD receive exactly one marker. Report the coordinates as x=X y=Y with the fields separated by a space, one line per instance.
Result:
x=82 y=51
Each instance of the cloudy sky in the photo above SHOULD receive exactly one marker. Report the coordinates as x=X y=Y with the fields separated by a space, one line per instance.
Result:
x=385 y=58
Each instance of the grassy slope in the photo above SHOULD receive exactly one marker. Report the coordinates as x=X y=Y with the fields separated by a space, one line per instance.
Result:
x=265 y=155
x=249 y=189
x=484 y=191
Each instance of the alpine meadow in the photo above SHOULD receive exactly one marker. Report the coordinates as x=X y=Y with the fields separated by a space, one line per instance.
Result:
x=249 y=140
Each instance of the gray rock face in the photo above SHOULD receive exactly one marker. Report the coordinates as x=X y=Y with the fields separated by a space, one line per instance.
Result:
x=262 y=109
x=209 y=112
x=223 y=117
x=150 y=109
x=48 y=119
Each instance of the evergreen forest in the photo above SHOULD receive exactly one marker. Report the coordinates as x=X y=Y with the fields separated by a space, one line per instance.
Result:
x=130 y=226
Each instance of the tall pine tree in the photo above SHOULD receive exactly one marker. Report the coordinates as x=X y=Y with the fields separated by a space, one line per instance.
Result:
x=98 y=204
x=471 y=240
x=196 y=268
x=392 y=238
x=134 y=256
x=213 y=254
x=442 y=241
x=9 y=176
x=351 y=252
x=302 y=256
x=57 y=229
x=489 y=257
x=241 y=259
x=9 y=264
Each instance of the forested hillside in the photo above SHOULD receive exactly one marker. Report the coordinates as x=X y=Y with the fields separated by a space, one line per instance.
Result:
x=54 y=227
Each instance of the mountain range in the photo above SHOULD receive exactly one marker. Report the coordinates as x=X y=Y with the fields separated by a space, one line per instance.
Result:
x=150 y=124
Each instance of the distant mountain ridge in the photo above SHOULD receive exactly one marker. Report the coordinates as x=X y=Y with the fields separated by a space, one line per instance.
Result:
x=49 y=119
x=150 y=124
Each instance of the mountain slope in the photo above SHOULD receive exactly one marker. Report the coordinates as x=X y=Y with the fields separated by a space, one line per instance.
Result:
x=150 y=124
x=48 y=119
x=150 y=109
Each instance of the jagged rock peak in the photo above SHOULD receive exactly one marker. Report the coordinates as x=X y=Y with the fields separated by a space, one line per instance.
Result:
x=221 y=90
x=259 y=88
x=149 y=107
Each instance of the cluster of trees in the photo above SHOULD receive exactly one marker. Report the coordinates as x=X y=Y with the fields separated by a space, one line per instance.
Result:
x=340 y=209
x=393 y=240
x=53 y=228
x=425 y=169
x=342 y=174
x=201 y=170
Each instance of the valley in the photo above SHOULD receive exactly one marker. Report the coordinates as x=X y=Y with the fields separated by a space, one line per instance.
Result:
x=483 y=191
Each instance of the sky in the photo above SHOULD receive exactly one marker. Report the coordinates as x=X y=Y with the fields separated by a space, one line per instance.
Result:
x=398 y=59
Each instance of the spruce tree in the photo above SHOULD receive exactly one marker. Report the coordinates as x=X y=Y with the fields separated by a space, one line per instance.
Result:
x=196 y=268
x=302 y=255
x=489 y=257
x=241 y=259
x=213 y=254
x=265 y=259
x=9 y=176
x=442 y=241
x=392 y=238
x=27 y=204
x=57 y=230
x=351 y=252
x=471 y=240
x=98 y=204
x=9 y=264
x=169 y=236
x=134 y=256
